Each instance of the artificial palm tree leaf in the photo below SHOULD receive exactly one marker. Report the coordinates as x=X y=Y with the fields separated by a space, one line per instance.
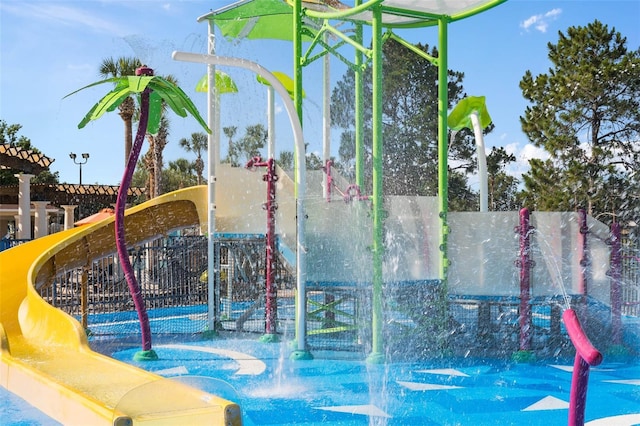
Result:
x=111 y=101
x=87 y=118
x=109 y=80
x=122 y=91
x=167 y=95
x=137 y=83
x=107 y=104
x=179 y=102
x=155 y=113
x=186 y=103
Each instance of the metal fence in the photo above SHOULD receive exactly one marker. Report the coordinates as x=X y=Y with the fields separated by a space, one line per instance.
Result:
x=7 y=243
x=171 y=274
x=242 y=267
x=169 y=271
x=630 y=277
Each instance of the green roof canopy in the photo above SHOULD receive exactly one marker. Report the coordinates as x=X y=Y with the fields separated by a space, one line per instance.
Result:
x=419 y=13
x=254 y=19
x=272 y=19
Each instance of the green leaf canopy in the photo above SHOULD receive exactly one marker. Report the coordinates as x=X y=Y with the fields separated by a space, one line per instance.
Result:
x=224 y=83
x=161 y=90
x=459 y=117
x=255 y=19
x=283 y=78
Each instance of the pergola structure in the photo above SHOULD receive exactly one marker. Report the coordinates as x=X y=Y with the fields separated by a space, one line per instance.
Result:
x=16 y=200
x=25 y=160
x=69 y=193
x=314 y=21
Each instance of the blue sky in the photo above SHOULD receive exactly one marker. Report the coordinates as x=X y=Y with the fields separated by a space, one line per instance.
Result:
x=51 y=48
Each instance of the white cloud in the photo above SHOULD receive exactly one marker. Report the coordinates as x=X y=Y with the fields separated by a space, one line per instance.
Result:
x=523 y=154
x=541 y=22
x=64 y=15
x=530 y=151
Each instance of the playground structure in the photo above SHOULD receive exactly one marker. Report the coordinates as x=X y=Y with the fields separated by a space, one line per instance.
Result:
x=328 y=28
x=46 y=355
x=354 y=254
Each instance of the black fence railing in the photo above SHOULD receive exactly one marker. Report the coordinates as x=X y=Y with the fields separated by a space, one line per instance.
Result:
x=171 y=272
x=168 y=270
x=7 y=243
x=630 y=284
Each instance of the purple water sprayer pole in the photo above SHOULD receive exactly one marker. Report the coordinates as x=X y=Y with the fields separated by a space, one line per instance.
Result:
x=586 y=356
x=525 y=263
x=271 y=302
x=583 y=255
x=121 y=245
x=143 y=83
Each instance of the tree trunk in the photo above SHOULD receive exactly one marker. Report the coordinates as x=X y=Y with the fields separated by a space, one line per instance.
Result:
x=127 y=109
x=149 y=166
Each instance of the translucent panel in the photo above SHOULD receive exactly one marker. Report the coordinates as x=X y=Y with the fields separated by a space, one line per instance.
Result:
x=338 y=242
x=239 y=202
x=554 y=249
x=423 y=12
x=599 y=263
x=563 y=262
x=482 y=249
x=411 y=239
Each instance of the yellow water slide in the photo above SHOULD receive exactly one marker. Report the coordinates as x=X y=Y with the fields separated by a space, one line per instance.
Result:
x=44 y=354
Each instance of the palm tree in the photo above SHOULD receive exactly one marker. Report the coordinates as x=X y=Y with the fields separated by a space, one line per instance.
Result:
x=197 y=144
x=116 y=68
x=152 y=90
x=179 y=174
x=153 y=160
x=157 y=143
x=229 y=132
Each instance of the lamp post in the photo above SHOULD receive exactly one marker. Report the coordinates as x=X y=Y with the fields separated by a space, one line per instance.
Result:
x=85 y=156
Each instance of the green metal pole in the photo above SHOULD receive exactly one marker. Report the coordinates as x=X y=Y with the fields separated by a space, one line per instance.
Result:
x=443 y=189
x=297 y=57
x=359 y=121
x=377 y=354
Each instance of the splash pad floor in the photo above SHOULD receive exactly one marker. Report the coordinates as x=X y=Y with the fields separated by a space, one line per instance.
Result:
x=273 y=390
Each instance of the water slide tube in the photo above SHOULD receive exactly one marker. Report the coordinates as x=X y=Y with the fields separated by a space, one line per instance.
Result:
x=44 y=353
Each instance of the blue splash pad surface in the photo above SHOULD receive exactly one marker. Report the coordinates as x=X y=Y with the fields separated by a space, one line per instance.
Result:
x=15 y=411
x=273 y=390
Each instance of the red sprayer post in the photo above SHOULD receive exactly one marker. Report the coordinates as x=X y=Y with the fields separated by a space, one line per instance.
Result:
x=583 y=255
x=586 y=356
x=615 y=274
x=524 y=262
x=271 y=302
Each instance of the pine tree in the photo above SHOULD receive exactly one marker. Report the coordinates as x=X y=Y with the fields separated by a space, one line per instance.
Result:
x=410 y=126
x=585 y=113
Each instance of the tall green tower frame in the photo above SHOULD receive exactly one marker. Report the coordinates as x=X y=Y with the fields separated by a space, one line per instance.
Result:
x=383 y=17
